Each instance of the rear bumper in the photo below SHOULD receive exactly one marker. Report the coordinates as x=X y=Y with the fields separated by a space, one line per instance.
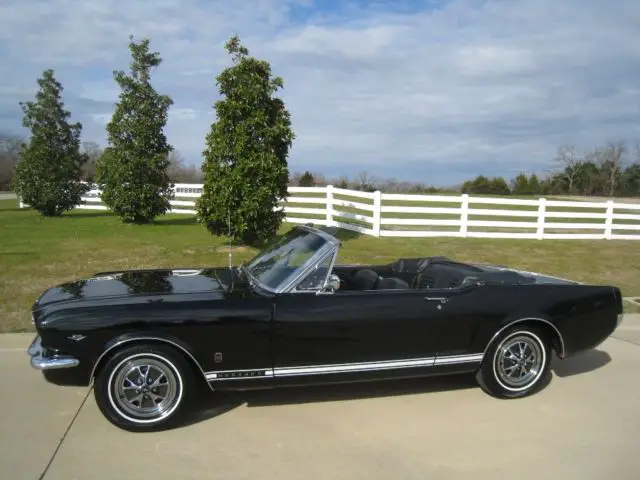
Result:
x=41 y=361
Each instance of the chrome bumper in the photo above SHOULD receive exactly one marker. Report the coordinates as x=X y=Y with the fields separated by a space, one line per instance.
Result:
x=39 y=361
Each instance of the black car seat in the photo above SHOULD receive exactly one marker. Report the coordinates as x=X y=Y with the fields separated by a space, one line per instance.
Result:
x=392 y=283
x=439 y=276
x=365 y=279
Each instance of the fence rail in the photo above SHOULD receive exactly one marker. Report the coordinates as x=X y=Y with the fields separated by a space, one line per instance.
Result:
x=399 y=215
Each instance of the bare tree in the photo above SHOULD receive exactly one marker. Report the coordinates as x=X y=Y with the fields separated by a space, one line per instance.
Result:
x=611 y=164
x=364 y=181
x=9 y=156
x=319 y=179
x=179 y=172
x=94 y=153
x=572 y=163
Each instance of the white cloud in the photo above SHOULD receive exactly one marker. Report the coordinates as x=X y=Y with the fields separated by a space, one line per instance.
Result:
x=470 y=87
x=184 y=113
x=101 y=118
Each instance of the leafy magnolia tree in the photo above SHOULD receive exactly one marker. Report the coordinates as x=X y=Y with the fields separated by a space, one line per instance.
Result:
x=245 y=158
x=133 y=171
x=48 y=174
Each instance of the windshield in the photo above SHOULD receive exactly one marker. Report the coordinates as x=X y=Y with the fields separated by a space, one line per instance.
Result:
x=284 y=259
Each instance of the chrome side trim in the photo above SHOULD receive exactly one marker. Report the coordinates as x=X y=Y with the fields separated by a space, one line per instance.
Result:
x=344 y=367
x=40 y=362
x=520 y=320
x=138 y=339
x=353 y=367
x=457 y=359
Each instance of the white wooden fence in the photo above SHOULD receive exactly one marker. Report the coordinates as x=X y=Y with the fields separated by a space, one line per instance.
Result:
x=399 y=215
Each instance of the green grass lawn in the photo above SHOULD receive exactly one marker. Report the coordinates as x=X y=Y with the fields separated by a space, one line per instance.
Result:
x=37 y=252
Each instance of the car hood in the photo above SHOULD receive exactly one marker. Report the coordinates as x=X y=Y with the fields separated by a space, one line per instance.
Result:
x=131 y=283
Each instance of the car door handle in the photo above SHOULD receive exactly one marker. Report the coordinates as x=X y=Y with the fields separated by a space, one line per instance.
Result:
x=436 y=299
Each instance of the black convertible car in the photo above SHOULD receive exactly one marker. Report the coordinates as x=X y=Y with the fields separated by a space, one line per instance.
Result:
x=292 y=316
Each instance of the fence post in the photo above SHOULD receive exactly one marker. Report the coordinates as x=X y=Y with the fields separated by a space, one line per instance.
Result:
x=608 y=222
x=377 y=204
x=329 y=205
x=464 y=215
x=542 y=208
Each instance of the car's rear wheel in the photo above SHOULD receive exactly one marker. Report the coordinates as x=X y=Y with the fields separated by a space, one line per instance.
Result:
x=517 y=363
x=145 y=387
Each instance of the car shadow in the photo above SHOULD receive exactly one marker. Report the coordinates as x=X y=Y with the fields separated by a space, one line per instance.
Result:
x=582 y=363
x=215 y=404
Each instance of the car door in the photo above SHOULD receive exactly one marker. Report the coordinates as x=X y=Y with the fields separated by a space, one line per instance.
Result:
x=342 y=335
x=457 y=316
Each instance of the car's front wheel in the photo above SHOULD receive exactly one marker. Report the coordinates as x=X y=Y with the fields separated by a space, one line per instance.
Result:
x=517 y=363
x=145 y=387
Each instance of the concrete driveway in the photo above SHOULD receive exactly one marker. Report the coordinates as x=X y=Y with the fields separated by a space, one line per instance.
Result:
x=585 y=425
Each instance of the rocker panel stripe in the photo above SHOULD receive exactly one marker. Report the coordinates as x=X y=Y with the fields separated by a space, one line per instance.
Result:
x=342 y=368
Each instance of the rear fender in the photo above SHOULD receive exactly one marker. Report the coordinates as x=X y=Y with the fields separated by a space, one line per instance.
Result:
x=558 y=342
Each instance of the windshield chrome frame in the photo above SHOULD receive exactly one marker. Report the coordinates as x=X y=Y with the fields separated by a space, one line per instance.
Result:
x=332 y=253
x=331 y=246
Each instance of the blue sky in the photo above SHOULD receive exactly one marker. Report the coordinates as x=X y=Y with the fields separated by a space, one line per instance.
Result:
x=434 y=91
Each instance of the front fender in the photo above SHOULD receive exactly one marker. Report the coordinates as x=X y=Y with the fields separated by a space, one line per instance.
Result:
x=144 y=337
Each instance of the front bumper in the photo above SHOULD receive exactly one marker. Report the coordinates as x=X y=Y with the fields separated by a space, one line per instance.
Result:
x=41 y=361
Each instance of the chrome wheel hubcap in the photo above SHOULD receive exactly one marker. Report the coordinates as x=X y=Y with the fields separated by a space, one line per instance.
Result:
x=145 y=388
x=519 y=361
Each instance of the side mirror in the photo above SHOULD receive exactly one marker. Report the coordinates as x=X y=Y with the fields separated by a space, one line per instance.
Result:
x=471 y=282
x=334 y=282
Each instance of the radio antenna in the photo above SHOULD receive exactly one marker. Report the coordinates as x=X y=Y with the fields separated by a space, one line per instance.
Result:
x=230 y=248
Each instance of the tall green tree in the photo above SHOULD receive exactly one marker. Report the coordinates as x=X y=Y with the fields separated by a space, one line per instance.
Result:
x=48 y=174
x=307 y=180
x=499 y=186
x=630 y=180
x=521 y=185
x=245 y=159
x=534 y=184
x=133 y=171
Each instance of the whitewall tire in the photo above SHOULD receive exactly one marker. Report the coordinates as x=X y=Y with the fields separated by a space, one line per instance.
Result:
x=145 y=387
x=517 y=363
